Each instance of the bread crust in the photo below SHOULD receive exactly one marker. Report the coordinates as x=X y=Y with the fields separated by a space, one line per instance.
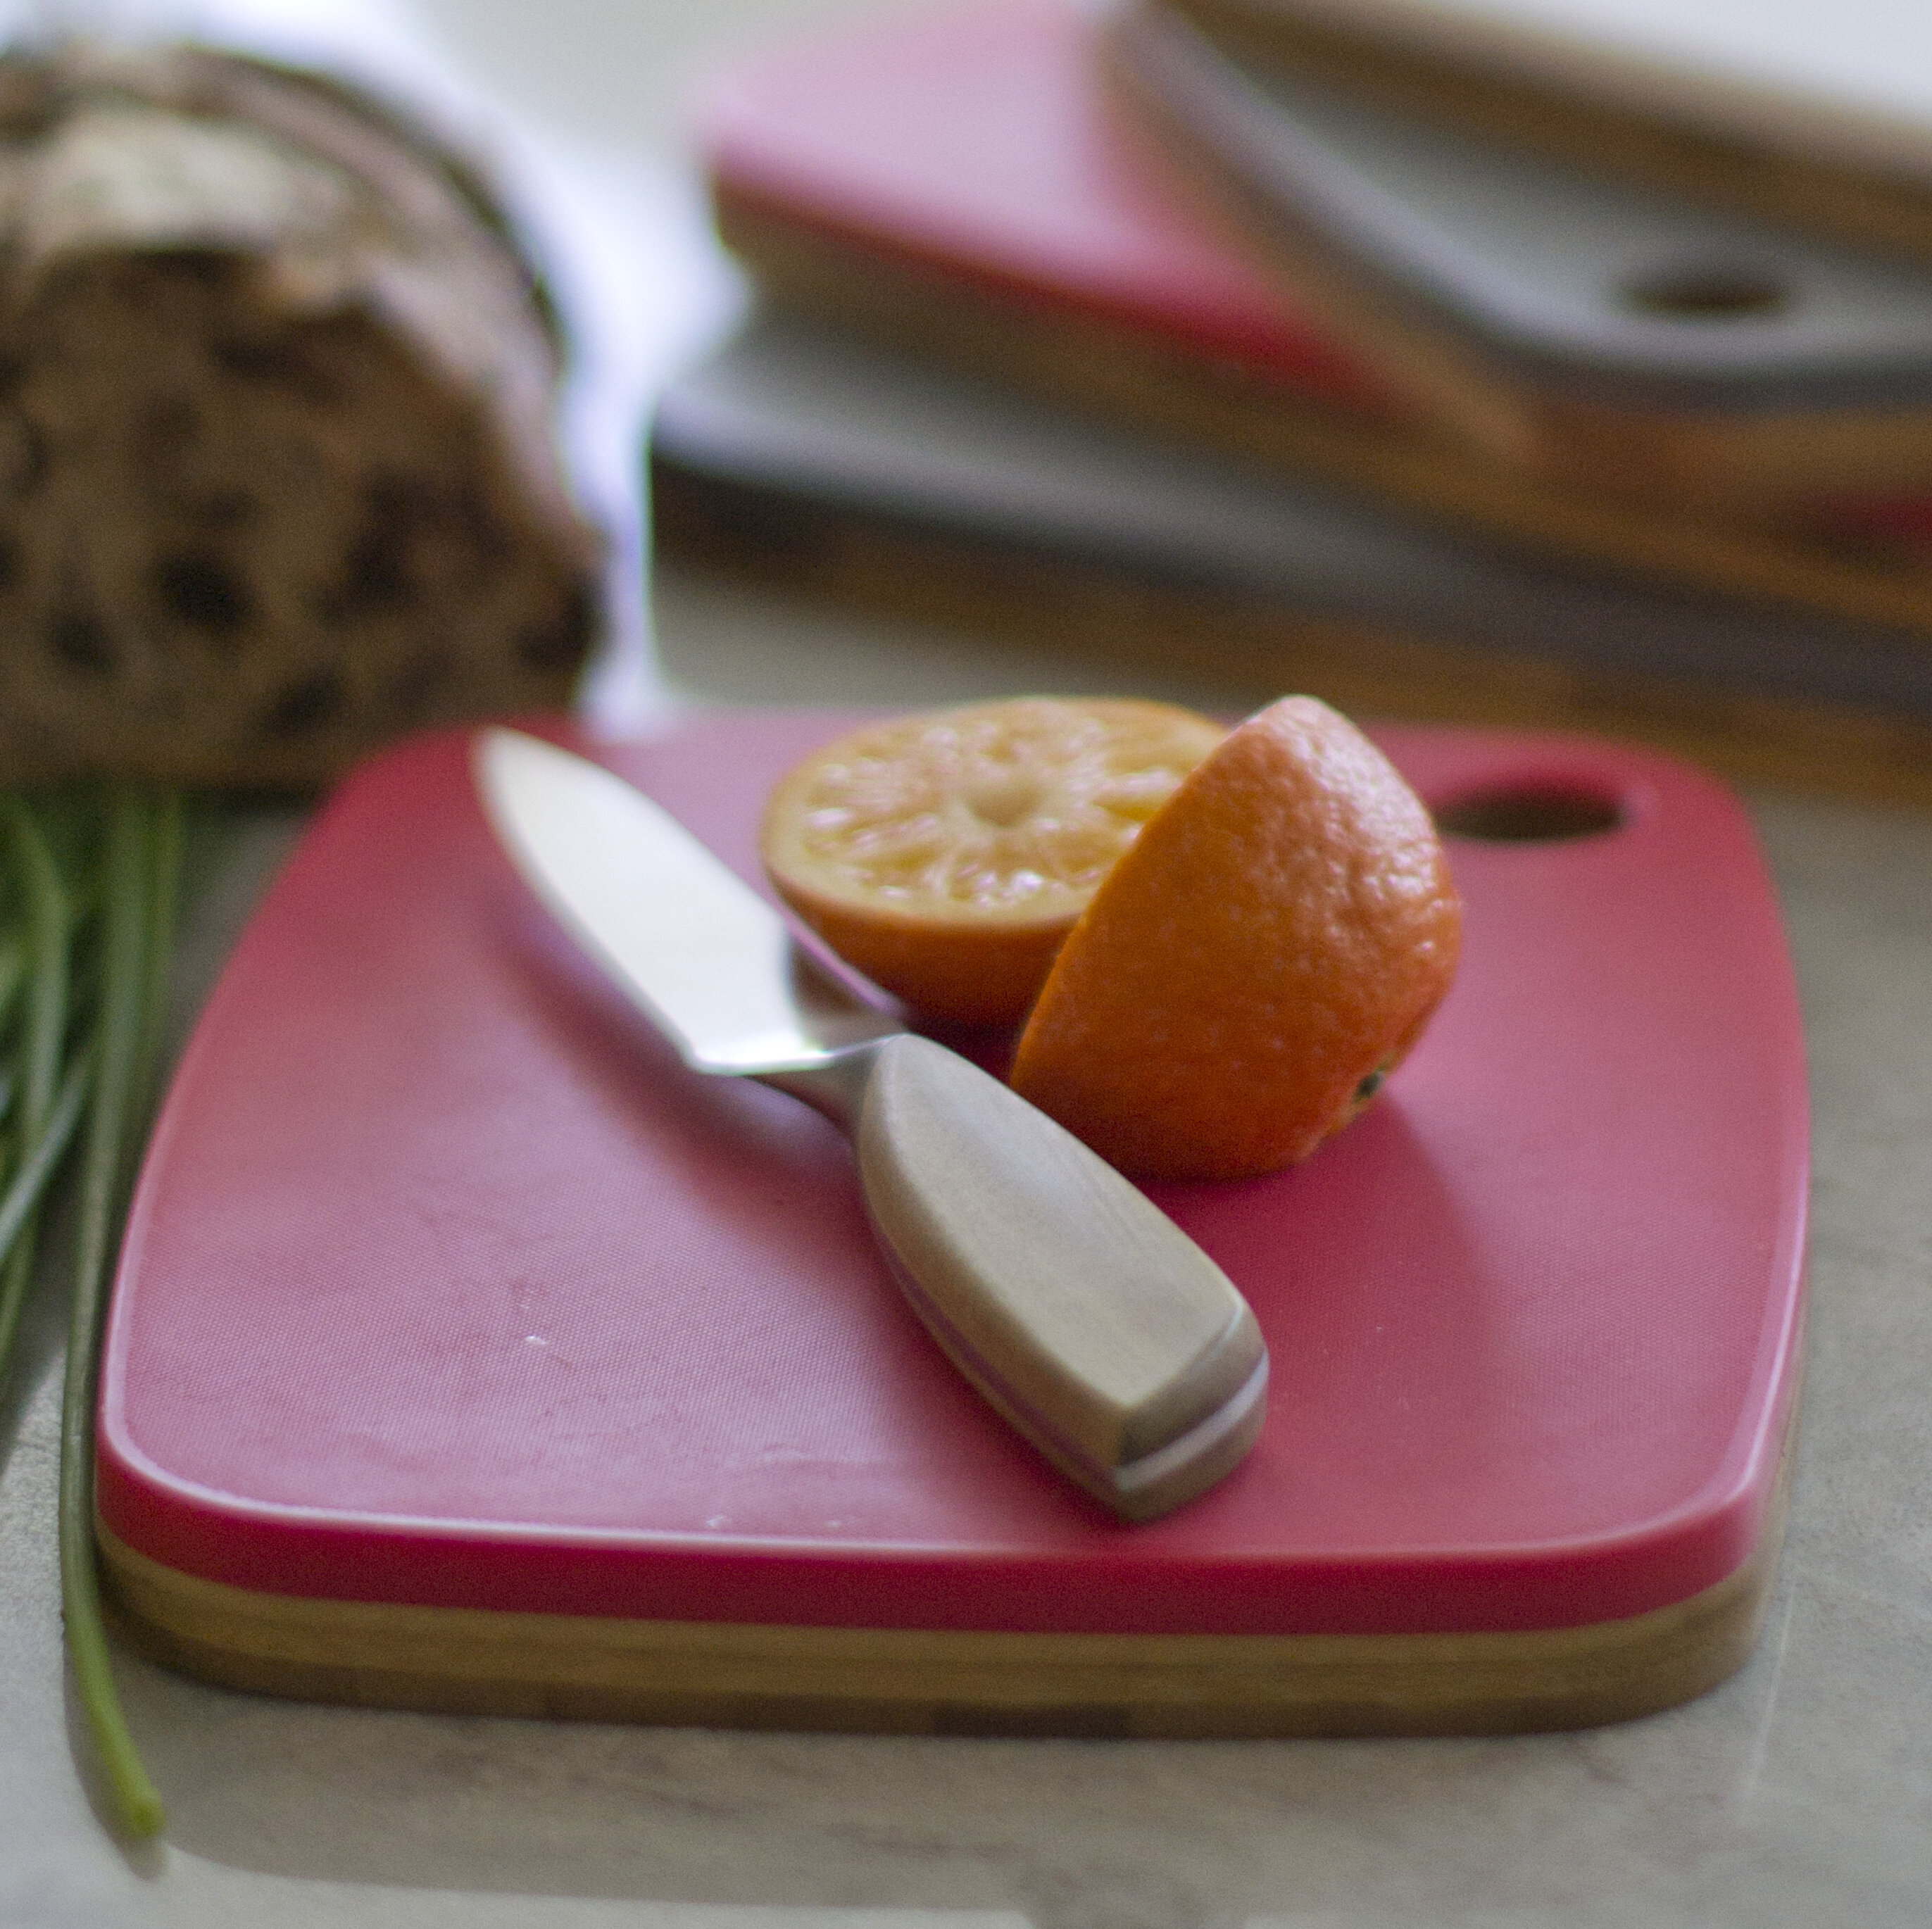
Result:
x=277 y=472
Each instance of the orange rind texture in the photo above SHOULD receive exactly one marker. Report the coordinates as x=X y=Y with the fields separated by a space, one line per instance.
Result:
x=946 y=856
x=1267 y=951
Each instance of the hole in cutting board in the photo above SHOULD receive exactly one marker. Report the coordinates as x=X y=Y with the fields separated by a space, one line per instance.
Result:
x=1708 y=292
x=1530 y=814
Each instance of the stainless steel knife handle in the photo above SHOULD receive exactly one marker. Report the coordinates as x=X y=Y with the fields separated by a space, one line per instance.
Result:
x=1082 y=1313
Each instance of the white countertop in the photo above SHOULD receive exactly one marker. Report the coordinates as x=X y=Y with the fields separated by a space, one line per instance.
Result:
x=1799 y=1793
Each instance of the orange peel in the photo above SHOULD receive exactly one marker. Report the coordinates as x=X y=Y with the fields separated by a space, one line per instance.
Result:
x=1268 y=950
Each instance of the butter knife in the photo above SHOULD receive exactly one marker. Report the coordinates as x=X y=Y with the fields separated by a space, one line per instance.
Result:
x=1081 y=1313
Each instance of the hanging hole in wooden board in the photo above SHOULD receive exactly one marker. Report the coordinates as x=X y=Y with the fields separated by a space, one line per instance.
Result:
x=1708 y=292
x=1538 y=814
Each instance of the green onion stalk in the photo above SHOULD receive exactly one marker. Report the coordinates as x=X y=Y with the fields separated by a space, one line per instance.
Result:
x=88 y=879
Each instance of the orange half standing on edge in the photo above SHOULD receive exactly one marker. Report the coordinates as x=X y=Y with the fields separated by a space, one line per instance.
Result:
x=1262 y=957
x=947 y=855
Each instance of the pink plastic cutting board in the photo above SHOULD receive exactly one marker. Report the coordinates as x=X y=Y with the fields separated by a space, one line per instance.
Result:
x=446 y=1285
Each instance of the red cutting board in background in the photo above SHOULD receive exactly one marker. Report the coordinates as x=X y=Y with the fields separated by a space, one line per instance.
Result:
x=447 y=1288
x=976 y=139
x=973 y=144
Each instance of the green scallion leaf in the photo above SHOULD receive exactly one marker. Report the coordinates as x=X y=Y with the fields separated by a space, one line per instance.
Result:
x=45 y=958
x=143 y=839
x=88 y=886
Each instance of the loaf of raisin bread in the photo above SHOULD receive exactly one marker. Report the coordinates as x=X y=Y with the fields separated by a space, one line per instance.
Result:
x=278 y=476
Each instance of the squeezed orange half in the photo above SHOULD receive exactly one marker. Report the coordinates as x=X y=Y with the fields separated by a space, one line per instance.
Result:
x=948 y=855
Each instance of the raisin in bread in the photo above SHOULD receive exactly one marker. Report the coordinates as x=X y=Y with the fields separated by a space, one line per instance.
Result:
x=277 y=471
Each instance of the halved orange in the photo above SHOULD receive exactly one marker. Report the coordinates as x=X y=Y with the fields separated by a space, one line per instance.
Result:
x=1265 y=953
x=946 y=856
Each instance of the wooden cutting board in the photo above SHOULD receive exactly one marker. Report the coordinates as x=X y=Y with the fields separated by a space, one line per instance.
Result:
x=468 y=1352
x=816 y=463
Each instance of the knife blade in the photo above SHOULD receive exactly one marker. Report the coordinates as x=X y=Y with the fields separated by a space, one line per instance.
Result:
x=1082 y=1313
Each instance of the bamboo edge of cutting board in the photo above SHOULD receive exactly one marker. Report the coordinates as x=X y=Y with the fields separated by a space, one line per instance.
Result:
x=1118 y=372
x=879 y=564
x=901 y=1680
